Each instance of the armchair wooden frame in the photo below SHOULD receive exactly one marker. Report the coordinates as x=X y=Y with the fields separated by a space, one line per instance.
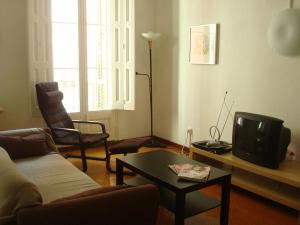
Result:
x=62 y=126
x=64 y=132
x=82 y=146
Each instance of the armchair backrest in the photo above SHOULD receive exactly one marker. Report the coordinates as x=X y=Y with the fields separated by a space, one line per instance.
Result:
x=51 y=107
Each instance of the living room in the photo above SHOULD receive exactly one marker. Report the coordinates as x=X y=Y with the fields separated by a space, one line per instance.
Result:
x=257 y=78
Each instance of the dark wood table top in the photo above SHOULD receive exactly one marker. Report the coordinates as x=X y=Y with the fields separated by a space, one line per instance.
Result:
x=154 y=166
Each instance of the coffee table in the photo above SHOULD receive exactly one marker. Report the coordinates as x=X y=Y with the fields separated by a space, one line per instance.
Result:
x=179 y=196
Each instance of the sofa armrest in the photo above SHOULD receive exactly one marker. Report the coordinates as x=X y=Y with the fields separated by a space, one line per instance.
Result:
x=22 y=132
x=28 y=142
x=129 y=206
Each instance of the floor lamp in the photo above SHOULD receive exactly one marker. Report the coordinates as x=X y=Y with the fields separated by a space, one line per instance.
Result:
x=150 y=37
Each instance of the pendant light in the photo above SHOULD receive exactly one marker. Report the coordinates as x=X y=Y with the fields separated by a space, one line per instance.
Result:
x=284 y=31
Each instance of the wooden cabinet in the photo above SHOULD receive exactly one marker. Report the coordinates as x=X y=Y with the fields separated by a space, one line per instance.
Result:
x=280 y=185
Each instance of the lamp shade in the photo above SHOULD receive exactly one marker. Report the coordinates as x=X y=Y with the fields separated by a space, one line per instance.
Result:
x=284 y=32
x=150 y=36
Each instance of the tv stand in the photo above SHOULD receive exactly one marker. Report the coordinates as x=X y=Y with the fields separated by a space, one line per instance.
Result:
x=280 y=185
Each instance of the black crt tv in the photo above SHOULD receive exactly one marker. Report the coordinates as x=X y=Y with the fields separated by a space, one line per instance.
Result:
x=260 y=139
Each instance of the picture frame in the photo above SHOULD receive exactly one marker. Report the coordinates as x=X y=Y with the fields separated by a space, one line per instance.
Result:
x=203 y=44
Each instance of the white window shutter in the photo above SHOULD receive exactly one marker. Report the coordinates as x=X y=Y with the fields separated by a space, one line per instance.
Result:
x=123 y=51
x=129 y=55
x=117 y=56
x=39 y=46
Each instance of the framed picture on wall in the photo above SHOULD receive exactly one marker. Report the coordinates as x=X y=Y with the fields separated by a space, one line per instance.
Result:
x=203 y=41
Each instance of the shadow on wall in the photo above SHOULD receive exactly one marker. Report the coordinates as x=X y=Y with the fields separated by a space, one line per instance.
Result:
x=166 y=70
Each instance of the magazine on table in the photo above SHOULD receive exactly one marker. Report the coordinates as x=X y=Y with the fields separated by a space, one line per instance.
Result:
x=190 y=172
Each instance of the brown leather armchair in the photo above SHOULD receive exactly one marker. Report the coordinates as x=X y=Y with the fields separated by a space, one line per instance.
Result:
x=62 y=127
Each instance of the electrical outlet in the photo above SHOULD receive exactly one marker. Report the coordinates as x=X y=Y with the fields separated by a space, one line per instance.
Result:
x=291 y=155
x=189 y=130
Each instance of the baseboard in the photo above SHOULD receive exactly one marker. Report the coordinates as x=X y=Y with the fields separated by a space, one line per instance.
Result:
x=173 y=144
x=73 y=147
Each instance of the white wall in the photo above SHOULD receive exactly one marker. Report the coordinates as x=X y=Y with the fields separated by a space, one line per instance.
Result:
x=257 y=79
x=14 y=83
x=14 y=90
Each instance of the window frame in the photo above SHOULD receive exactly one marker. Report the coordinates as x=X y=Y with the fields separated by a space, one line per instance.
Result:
x=41 y=64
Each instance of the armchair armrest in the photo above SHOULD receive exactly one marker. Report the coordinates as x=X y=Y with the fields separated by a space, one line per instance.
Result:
x=130 y=206
x=91 y=122
x=69 y=130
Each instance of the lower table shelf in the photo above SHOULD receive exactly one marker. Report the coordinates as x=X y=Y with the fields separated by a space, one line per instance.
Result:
x=196 y=202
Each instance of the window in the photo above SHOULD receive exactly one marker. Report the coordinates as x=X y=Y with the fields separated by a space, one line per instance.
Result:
x=99 y=53
x=65 y=51
x=87 y=46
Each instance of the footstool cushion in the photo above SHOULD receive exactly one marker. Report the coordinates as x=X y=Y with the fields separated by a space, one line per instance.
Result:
x=128 y=145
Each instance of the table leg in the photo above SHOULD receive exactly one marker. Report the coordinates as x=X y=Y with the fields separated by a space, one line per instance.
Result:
x=119 y=173
x=179 y=209
x=225 y=200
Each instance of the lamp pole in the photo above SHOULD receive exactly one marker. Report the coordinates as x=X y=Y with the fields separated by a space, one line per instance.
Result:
x=150 y=37
x=150 y=86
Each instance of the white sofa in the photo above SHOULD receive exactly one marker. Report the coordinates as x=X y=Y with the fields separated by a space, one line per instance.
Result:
x=41 y=187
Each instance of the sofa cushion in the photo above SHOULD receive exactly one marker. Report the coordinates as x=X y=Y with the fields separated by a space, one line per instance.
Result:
x=55 y=176
x=28 y=146
x=16 y=190
x=50 y=142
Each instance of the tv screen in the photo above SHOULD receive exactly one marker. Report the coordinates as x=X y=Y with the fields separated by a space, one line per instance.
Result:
x=250 y=132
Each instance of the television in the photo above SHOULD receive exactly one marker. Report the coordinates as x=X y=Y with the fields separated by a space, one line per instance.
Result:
x=260 y=139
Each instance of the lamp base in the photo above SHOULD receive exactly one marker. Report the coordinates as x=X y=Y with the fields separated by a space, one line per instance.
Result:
x=153 y=143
